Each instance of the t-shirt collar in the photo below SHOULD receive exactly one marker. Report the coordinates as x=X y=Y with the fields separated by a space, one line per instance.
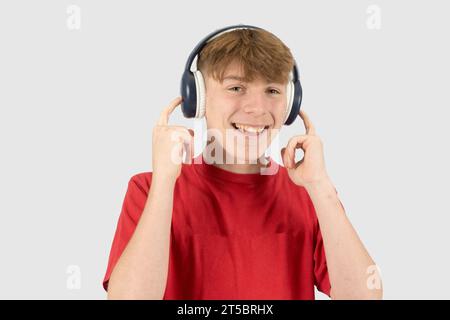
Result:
x=213 y=172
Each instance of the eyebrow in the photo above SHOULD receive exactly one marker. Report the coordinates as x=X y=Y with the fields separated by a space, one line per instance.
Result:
x=233 y=77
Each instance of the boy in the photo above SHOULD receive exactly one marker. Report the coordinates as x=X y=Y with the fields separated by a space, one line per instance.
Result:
x=219 y=229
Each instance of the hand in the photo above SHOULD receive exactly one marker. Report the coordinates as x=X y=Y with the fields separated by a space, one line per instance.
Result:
x=310 y=169
x=169 y=142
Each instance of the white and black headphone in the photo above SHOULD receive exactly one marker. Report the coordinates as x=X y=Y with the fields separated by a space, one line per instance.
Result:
x=193 y=89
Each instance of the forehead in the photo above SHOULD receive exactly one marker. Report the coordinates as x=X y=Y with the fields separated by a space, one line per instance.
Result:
x=235 y=72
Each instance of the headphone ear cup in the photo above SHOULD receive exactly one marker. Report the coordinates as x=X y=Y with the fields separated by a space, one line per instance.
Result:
x=296 y=102
x=201 y=94
x=189 y=94
x=289 y=99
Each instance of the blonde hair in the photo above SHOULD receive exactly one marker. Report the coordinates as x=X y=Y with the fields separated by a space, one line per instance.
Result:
x=259 y=53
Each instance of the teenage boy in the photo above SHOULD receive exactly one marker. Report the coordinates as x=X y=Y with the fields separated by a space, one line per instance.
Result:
x=219 y=229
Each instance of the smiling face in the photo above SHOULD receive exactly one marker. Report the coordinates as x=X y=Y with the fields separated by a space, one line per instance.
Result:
x=247 y=115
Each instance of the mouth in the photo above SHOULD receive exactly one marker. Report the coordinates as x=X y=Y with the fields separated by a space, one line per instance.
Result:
x=250 y=130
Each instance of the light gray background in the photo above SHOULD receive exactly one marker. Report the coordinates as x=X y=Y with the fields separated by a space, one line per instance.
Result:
x=77 y=108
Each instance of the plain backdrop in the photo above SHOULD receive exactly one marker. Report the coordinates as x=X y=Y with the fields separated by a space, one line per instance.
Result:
x=77 y=108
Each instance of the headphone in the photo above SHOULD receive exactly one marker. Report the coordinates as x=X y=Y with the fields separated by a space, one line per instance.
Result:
x=193 y=89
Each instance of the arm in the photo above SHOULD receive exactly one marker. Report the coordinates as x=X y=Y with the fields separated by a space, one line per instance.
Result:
x=142 y=269
x=347 y=260
x=141 y=272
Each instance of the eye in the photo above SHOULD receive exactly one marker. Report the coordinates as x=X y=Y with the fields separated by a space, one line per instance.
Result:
x=274 y=91
x=232 y=89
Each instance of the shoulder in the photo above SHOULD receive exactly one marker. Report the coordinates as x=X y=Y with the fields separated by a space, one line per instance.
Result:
x=288 y=184
x=302 y=198
x=141 y=181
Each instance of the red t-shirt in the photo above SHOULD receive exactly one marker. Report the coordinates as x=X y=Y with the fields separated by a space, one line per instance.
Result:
x=233 y=236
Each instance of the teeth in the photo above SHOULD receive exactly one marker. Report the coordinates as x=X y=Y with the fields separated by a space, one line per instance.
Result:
x=250 y=129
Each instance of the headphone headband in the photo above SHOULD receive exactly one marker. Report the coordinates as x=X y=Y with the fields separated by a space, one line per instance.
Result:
x=217 y=33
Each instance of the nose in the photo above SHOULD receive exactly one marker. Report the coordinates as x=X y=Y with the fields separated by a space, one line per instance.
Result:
x=256 y=104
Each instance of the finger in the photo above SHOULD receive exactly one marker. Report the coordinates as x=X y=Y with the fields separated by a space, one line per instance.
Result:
x=175 y=130
x=296 y=142
x=186 y=137
x=310 y=129
x=180 y=128
x=183 y=146
x=299 y=163
x=164 y=117
x=284 y=157
x=181 y=133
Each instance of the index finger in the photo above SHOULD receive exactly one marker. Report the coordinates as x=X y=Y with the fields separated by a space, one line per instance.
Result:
x=308 y=124
x=164 y=117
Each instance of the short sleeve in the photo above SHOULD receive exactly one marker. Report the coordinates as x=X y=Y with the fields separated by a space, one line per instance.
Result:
x=321 y=279
x=132 y=207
